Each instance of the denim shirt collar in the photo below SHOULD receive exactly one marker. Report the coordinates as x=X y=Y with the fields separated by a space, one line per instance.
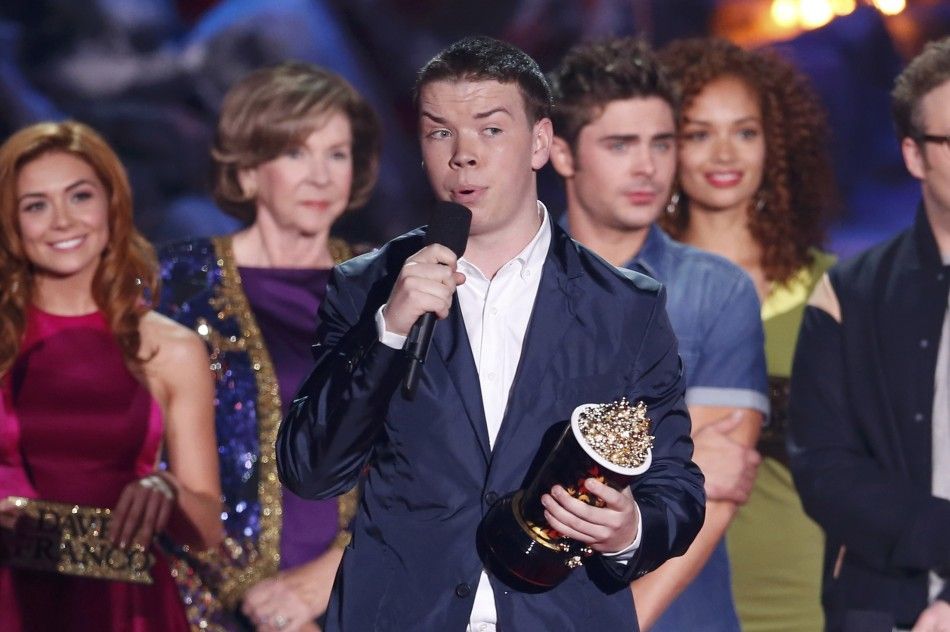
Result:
x=652 y=254
x=649 y=260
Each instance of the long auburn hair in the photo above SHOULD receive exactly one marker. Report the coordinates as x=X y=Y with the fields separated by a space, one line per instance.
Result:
x=127 y=276
x=798 y=192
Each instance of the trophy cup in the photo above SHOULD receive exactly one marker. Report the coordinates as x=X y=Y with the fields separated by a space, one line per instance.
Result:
x=610 y=442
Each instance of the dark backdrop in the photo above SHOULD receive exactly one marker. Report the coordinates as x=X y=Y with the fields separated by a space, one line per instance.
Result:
x=150 y=75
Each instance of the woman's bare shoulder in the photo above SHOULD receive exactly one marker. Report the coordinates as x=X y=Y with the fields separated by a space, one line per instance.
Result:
x=166 y=341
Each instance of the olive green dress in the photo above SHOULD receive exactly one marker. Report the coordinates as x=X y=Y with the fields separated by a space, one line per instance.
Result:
x=775 y=549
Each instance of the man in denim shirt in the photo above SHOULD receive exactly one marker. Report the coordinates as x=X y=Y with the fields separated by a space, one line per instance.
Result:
x=615 y=148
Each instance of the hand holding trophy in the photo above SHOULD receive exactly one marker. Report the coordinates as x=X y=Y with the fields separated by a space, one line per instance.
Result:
x=608 y=442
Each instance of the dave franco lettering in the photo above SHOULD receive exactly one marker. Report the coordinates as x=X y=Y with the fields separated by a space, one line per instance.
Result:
x=70 y=539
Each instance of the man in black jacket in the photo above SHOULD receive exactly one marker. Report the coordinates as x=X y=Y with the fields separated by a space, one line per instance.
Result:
x=533 y=325
x=870 y=403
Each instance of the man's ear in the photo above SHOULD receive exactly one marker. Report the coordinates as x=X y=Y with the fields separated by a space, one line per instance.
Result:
x=541 y=132
x=562 y=158
x=914 y=157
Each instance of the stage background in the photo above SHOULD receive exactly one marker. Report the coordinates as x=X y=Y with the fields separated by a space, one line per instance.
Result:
x=150 y=75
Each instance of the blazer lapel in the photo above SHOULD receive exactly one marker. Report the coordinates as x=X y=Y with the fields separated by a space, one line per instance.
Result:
x=451 y=343
x=551 y=317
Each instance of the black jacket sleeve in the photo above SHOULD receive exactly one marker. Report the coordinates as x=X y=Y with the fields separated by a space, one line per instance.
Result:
x=338 y=414
x=670 y=493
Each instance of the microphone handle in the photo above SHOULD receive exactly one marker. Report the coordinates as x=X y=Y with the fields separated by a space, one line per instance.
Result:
x=417 y=347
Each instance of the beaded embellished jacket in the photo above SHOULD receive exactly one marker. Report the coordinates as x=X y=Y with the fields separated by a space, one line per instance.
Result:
x=202 y=289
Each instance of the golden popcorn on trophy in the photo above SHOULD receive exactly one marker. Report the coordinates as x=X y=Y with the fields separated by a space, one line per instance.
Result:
x=610 y=442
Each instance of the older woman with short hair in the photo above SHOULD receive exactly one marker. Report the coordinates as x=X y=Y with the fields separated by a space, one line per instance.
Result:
x=296 y=147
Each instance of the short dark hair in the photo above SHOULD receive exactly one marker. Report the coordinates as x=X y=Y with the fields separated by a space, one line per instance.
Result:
x=272 y=109
x=593 y=75
x=482 y=58
x=927 y=71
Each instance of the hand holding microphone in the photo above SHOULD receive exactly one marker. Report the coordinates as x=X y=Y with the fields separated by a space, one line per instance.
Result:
x=426 y=284
x=423 y=291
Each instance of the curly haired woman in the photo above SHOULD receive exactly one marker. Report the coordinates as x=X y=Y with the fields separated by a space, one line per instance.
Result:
x=755 y=186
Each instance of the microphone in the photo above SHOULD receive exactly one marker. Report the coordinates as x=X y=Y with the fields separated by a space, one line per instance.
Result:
x=449 y=225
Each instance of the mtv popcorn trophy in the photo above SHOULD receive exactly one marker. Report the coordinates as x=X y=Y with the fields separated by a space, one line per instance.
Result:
x=610 y=442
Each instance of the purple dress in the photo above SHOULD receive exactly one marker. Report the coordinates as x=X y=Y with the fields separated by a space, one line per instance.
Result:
x=259 y=325
x=285 y=303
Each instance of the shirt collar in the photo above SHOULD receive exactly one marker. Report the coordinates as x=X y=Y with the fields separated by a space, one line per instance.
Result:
x=650 y=258
x=533 y=255
x=927 y=251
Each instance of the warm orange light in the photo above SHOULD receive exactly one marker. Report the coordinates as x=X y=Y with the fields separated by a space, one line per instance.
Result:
x=815 y=13
x=890 y=7
x=785 y=13
x=843 y=7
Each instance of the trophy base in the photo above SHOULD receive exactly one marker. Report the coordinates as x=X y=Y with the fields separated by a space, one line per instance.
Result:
x=515 y=552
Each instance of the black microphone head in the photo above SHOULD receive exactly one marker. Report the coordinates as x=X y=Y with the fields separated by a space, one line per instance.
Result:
x=449 y=225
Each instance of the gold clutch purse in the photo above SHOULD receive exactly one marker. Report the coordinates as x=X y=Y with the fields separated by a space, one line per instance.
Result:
x=68 y=539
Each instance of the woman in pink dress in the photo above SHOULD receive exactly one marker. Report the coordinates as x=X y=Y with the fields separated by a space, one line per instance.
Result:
x=95 y=385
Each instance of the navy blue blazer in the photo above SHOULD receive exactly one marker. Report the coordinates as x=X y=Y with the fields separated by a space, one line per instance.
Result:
x=596 y=333
x=860 y=432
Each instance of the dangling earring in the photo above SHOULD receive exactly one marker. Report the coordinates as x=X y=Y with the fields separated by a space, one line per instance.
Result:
x=759 y=201
x=673 y=204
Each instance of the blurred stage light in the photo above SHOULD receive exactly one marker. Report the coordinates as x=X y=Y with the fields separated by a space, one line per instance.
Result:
x=815 y=13
x=890 y=7
x=785 y=13
x=772 y=20
x=843 y=7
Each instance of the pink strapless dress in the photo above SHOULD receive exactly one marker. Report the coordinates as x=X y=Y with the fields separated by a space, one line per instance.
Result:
x=76 y=427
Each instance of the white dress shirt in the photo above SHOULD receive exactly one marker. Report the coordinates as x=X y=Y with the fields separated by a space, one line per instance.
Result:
x=496 y=312
x=940 y=430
